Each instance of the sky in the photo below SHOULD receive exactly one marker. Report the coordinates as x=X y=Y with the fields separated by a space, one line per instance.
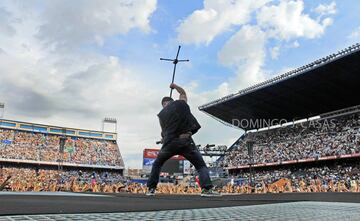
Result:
x=72 y=63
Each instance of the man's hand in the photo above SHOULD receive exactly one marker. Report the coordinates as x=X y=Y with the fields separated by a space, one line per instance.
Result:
x=180 y=90
x=159 y=142
x=173 y=86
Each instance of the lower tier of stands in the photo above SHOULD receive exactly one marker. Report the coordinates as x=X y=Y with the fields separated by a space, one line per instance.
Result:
x=27 y=177
x=331 y=176
x=326 y=176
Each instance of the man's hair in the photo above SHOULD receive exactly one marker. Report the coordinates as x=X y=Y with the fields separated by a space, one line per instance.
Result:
x=166 y=99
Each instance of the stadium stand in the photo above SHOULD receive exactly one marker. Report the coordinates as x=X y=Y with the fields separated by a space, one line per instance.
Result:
x=327 y=177
x=42 y=146
x=31 y=155
x=31 y=178
x=311 y=140
x=323 y=86
x=304 y=126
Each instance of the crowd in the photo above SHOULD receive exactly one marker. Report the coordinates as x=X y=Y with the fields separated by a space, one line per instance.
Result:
x=311 y=139
x=45 y=147
x=32 y=179
x=335 y=178
x=340 y=178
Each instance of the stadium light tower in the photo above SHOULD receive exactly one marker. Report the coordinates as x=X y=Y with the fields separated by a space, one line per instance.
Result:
x=109 y=120
x=2 y=110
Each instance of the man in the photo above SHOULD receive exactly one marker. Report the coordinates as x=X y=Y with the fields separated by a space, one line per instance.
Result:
x=178 y=125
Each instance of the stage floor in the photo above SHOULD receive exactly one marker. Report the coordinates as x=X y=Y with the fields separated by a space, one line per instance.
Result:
x=77 y=206
x=282 y=211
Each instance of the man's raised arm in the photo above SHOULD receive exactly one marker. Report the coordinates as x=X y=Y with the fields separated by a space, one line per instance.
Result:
x=181 y=92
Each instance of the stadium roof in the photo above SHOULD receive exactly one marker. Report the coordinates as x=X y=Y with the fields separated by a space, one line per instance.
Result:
x=325 y=85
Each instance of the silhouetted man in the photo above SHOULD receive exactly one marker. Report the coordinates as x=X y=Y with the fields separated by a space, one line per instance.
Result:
x=177 y=126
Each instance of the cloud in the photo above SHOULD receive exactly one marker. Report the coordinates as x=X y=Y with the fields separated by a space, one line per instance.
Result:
x=295 y=44
x=70 y=24
x=326 y=9
x=246 y=44
x=6 y=22
x=245 y=51
x=83 y=96
x=202 y=26
x=287 y=21
x=254 y=23
x=274 y=52
x=77 y=88
x=354 y=36
x=27 y=100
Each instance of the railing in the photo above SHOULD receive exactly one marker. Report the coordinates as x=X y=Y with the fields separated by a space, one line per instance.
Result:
x=49 y=163
x=296 y=161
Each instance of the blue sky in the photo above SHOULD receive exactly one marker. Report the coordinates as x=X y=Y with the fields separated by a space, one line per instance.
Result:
x=80 y=61
x=204 y=64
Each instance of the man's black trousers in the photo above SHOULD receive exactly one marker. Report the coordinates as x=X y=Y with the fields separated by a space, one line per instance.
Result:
x=184 y=147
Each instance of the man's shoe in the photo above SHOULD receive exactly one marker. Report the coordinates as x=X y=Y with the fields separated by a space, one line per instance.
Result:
x=209 y=193
x=150 y=192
